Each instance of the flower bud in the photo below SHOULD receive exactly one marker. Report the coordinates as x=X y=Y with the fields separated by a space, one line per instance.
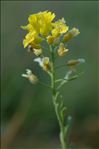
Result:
x=37 y=52
x=72 y=33
x=50 y=39
x=53 y=40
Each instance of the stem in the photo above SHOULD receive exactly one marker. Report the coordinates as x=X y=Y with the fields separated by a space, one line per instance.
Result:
x=57 y=103
x=64 y=81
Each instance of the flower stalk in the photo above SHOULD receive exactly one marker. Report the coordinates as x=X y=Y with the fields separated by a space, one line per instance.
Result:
x=42 y=28
x=56 y=103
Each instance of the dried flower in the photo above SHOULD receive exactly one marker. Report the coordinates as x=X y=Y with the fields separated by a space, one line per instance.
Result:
x=44 y=63
x=62 y=50
x=30 y=76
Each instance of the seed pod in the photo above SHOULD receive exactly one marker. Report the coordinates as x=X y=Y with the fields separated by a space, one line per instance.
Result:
x=72 y=62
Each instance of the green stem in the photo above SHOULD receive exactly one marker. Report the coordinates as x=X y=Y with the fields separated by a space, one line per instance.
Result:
x=56 y=103
x=64 y=81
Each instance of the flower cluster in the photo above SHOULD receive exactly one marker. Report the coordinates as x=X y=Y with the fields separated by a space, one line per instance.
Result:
x=41 y=28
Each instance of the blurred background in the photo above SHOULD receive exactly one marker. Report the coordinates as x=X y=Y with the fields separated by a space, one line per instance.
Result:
x=28 y=117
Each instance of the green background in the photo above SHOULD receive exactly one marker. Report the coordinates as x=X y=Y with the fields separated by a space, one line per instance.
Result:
x=28 y=117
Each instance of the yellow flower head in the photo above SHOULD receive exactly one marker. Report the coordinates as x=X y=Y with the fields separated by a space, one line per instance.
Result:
x=42 y=25
x=46 y=22
x=29 y=38
x=32 y=39
x=59 y=28
x=41 y=22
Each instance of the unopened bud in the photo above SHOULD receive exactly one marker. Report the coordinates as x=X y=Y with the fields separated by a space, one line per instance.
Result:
x=37 y=52
x=50 y=39
x=69 y=35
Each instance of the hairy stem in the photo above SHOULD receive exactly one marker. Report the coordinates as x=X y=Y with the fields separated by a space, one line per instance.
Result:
x=57 y=103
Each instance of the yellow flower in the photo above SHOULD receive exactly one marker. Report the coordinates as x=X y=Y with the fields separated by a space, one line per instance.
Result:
x=42 y=25
x=46 y=22
x=41 y=22
x=72 y=33
x=62 y=50
x=29 y=38
x=28 y=27
x=59 y=28
x=32 y=39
